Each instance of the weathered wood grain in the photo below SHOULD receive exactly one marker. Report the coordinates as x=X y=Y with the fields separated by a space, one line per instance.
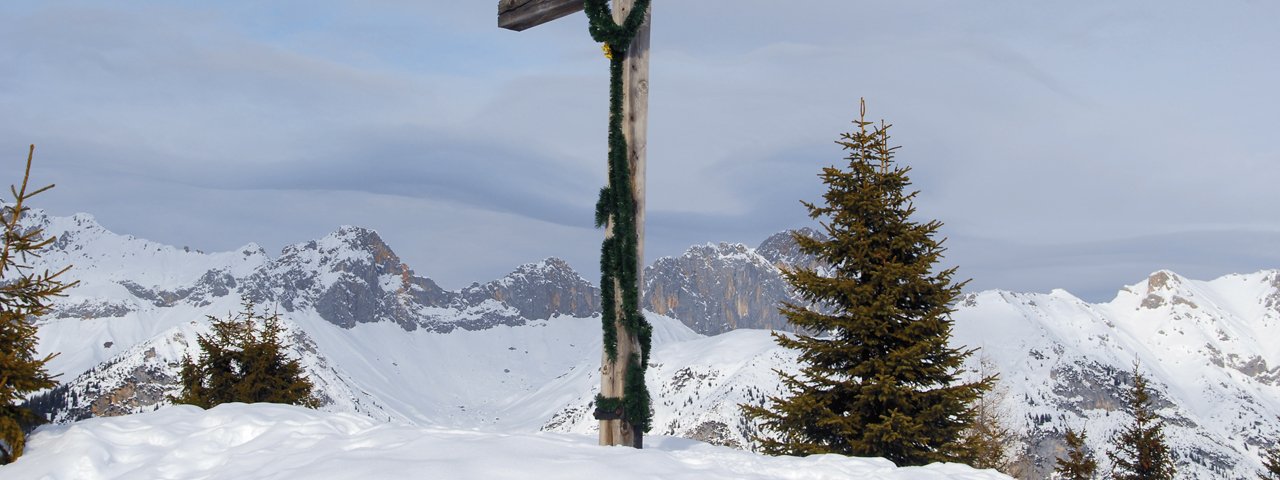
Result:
x=521 y=15
x=635 y=126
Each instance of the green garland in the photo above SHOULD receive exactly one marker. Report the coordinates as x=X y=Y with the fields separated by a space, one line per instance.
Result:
x=619 y=254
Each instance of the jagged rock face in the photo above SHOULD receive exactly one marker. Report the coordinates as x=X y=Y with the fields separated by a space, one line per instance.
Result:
x=782 y=250
x=213 y=284
x=136 y=383
x=540 y=291
x=86 y=309
x=349 y=277
x=1273 y=301
x=717 y=288
x=352 y=277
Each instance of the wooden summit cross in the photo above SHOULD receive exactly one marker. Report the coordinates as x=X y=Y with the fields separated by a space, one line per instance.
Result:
x=520 y=15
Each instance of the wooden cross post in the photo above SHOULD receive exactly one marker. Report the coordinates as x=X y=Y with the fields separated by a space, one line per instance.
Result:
x=519 y=15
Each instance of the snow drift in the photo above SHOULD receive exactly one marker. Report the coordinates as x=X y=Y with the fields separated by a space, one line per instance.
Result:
x=263 y=441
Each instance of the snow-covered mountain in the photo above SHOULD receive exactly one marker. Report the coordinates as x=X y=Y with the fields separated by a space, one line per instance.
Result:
x=139 y=306
x=376 y=338
x=1064 y=361
x=1208 y=347
x=522 y=353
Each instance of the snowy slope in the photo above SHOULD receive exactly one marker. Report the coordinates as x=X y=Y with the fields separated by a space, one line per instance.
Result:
x=385 y=343
x=1207 y=347
x=697 y=386
x=141 y=305
x=417 y=353
x=262 y=441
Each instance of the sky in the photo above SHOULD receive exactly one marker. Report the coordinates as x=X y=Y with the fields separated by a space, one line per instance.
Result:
x=1074 y=145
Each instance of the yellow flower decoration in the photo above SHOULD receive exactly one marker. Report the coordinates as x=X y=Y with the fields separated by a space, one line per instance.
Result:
x=608 y=51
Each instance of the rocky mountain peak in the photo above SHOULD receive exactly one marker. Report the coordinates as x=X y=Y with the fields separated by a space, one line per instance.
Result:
x=341 y=249
x=80 y=225
x=64 y=228
x=1165 y=287
x=540 y=290
x=782 y=251
x=350 y=276
x=1163 y=280
x=1272 y=299
x=723 y=251
x=714 y=288
x=552 y=267
x=252 y=250
x=37 y=216
x=84 y=219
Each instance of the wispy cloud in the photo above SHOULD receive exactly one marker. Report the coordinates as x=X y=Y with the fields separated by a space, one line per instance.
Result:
x=1063 y=145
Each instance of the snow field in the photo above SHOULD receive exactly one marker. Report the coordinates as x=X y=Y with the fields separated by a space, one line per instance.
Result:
x=267 y=442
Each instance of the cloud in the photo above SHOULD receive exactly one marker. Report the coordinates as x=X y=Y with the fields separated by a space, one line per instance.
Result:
x=1062 y=145
x=431 y=165
x=1096 y=270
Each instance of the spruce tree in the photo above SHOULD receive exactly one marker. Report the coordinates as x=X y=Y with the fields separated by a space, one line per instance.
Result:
x=1140 y=451
x=242 y=362
x=878 y=377
x=990 y=441
x=1079 y=464
x=1271 y=462
x=24 y=295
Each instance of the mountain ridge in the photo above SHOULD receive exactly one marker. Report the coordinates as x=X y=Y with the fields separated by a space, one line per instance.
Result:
x=475 y=357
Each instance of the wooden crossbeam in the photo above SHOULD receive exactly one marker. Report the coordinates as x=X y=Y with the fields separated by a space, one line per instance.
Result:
x=521 y=15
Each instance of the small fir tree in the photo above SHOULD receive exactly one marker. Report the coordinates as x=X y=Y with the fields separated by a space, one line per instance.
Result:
x=1079 y=464
x=991 y=442
x=878 y=377
x=24 y=296
x=1140 y=451
x=1271 y=462
x=242 y=362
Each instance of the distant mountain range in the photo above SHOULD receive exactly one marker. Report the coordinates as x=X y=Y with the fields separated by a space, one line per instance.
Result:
x=522 y=352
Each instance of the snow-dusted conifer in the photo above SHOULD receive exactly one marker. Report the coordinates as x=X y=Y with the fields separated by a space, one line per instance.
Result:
x=242 y=362
x=992 y=441
x=1271 y=462
x=1140 y=450
x=24 y=295
x=878 y=377
x=1079 y=464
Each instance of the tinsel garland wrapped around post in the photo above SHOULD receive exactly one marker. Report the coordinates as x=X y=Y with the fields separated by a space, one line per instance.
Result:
x=618 y=256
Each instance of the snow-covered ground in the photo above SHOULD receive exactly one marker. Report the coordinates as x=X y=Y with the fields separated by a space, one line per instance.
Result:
x=263 y=441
